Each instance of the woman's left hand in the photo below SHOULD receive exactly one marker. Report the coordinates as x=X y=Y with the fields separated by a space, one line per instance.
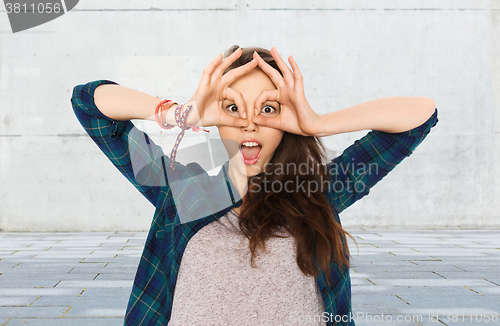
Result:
x=296 y=114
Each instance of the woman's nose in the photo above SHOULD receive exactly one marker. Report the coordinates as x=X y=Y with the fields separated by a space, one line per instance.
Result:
x=251 y=125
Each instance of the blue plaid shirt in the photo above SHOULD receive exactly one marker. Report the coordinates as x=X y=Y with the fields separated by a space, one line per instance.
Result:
x=206 y=198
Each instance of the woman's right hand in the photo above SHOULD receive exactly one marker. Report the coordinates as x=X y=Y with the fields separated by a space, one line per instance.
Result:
x=214 y=88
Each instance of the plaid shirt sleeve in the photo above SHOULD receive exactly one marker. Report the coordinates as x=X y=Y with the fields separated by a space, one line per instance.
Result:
x=138 y=162
x=369 y=159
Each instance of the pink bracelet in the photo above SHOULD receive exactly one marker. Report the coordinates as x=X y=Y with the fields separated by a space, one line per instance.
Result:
x=159 y=119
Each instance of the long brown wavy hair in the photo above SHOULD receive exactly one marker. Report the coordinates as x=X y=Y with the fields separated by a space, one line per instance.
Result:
x=303 y=212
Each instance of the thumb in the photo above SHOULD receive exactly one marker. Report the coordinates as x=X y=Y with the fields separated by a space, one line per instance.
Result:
x=266 y=121
x=227 y=120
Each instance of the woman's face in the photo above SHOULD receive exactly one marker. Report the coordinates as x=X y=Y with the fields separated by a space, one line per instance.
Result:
x=251 y=148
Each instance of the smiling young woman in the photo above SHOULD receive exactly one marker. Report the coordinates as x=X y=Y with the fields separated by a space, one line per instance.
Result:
x=208 y=268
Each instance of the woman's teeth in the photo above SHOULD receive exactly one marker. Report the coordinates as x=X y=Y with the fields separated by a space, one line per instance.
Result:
x=250 y=144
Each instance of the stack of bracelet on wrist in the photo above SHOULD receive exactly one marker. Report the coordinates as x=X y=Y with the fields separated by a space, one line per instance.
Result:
x=180 y=119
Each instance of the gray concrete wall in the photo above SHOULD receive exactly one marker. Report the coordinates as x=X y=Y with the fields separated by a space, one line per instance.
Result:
x=53 y=177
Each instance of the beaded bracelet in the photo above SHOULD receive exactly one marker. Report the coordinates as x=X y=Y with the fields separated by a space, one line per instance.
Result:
x=181 y=120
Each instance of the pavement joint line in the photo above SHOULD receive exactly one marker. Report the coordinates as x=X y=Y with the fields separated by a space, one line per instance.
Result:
x=437 y=259
x=392 y=253
x=458 y=246
x=106 y=265
x=360 y=237
x=442 y=322
x=66 y=312
x=82 y=291
x=14 y=252
x=491 y=282
x=477 y=242
x=57 y=283
x=29 y=245
x=460 y=268
x=439 y=274
x=372 y=245
x=395 y=241
x=34 y=301
x=48 y=248
x=96 y=276
x=415 y=250
x=6 y=322
x=16 y=265
x=89 y=262
x=472 y=290
x=70 y=270
x=434 y=319
x=370 y=281
x=379 y=235
x=397 y=296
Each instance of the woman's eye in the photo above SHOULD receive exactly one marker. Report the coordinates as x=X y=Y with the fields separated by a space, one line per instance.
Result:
x=269 y=110
x=232 y=108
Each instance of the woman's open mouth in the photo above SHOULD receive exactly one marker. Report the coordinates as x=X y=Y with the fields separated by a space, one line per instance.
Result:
x=250 y=150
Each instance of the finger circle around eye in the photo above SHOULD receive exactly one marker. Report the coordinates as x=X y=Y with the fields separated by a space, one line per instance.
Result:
x=278 y=96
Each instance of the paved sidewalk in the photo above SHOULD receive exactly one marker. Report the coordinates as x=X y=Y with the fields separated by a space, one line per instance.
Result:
x=435 y=277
